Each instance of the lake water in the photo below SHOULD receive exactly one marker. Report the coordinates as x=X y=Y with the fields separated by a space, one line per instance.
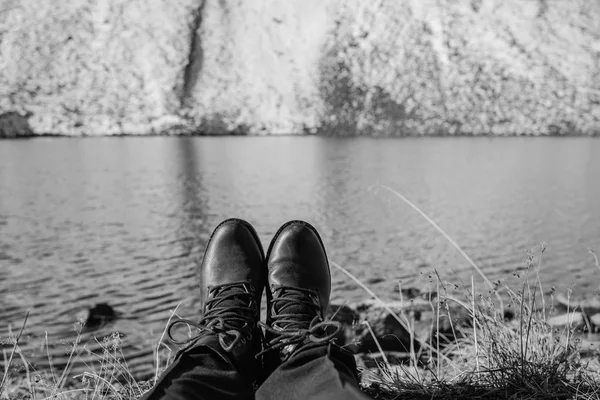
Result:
x=125 y=220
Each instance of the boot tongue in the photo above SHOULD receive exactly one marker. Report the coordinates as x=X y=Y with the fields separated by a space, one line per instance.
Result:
x=295 y=304
x=231 y=307
x=291 y=308
x=231 y=300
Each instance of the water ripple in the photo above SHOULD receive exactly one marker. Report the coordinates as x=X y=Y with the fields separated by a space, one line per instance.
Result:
x=90 y=221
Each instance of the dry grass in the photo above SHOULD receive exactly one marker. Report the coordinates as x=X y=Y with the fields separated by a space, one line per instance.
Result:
x=108 y=377
x=520 y=359
x=524 y=358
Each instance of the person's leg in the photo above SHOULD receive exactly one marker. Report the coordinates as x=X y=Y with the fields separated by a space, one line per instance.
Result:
x=220 y=362
x=201 y=373
x=299 y=357
x=321 y=372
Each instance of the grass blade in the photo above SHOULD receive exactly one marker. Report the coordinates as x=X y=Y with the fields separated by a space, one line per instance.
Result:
x=12 y=353
x=443 y=233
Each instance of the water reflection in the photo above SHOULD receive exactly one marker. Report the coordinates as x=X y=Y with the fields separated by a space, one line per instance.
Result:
x=193 y=229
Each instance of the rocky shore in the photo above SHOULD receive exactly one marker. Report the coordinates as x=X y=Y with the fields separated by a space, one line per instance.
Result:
x=390 y=68
x=370 y=327
x=395 y=337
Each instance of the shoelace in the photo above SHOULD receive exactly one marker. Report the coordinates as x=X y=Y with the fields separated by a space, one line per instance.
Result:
x=223 y=318
x=303 y=325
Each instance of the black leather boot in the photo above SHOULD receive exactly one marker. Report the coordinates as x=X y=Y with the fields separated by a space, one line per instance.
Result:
x=231 y=284
x=299 y=285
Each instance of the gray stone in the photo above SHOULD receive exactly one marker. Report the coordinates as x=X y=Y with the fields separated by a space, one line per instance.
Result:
x=13 y=124
x=588 y=305
x=571 y=319
x=595 y=320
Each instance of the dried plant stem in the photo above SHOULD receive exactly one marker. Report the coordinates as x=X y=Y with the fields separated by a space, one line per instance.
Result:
x=379 y=348
x=62 y=380
x=12 y=353
x=593 y=253
x=27 y=373
x=568 y=338
x=539 y=281
x=529 y=322
x=437 y=324
x=452 y=242
x=447 y=307
x=411 y=334
x=474 y=325
x=50 y=363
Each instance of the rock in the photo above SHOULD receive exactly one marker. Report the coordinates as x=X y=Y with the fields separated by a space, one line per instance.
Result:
x=342 y=313
x=595 y=321
x=417 y=314
x=374 y=280
x=389 y=335
x=410 y=293
x=336 y=67
x=98 y=315
x=387 y=329
x=388 y=332
x=416 y=304
x=571 y=319
x=509 y=315
x=13 y=124
x=588 y=305
x=449 y=331
x=589 y=345
x=348 y=318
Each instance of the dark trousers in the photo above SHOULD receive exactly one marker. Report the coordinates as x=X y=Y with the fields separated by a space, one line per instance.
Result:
x=319 y=372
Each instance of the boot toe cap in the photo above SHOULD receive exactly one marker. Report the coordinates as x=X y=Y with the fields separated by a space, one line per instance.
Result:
x=297 y=258
x=233 y=254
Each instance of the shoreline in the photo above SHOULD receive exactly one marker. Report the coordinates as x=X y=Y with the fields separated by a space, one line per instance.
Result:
x=373 y=332
x=287 y=135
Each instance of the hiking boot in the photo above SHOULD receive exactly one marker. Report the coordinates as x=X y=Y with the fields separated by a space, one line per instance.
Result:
x=299 y=284
x=231 y=285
